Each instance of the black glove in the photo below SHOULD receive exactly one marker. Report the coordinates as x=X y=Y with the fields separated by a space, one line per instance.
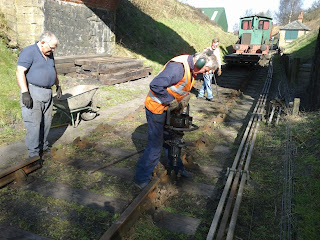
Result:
x=173 y=104
x=185 y=101
x=59 y=91
x=27 y=100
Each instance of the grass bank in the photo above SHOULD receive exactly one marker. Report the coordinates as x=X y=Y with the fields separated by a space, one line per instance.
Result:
x=260 y=212
x=303 y=47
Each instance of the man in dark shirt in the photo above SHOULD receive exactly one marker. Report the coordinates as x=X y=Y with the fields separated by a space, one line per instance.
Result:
x=169 y=89
x=36 y=74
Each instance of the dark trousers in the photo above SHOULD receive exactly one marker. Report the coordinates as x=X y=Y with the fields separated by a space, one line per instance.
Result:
x=152 y=153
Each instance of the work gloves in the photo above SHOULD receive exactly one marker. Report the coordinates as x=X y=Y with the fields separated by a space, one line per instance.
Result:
x=185 y=101
x=27 y=100
x=59 y=91
x=174 y=104
x=219 y=71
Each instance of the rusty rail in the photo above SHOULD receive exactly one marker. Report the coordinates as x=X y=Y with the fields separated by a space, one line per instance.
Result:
x=19 y=171
x=132 y=213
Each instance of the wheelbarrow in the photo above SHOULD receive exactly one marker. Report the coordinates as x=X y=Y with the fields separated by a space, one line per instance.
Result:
x=77 y=102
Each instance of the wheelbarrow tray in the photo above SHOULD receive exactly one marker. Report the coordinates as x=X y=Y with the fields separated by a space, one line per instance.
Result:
x=75 y=99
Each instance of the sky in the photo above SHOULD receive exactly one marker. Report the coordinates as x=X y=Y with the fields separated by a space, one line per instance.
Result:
x=236 y=9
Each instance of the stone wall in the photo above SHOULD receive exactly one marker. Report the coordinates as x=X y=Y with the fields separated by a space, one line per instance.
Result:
x=25 y=20
x=82 y=27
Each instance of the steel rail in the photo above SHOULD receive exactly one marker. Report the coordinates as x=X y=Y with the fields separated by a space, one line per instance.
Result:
x=128 y=217
x=235 y=212
x=248 y=136
x=234 y=188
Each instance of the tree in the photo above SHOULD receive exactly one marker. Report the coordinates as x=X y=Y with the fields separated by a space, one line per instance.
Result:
x=315 y=4
x=265 y=14
x=235 y=29
x=288 y=11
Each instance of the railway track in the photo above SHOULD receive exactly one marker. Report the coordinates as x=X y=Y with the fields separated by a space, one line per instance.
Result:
x=85 y=190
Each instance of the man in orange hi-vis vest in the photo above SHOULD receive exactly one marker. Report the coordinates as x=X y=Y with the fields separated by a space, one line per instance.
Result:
x=169 y=89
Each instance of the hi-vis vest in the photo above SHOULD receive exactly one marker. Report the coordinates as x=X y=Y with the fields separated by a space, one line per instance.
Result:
x=178 y=91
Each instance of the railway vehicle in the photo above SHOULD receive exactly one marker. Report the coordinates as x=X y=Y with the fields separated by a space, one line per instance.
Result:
x=253 y=42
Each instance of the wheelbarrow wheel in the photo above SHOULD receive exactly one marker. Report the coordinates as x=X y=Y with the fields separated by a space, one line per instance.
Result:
x=88 y=115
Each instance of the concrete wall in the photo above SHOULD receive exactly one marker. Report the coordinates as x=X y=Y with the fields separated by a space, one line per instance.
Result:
x=82 y=26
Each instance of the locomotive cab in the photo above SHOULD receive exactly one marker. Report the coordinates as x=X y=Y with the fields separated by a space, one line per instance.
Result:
x=253 y=42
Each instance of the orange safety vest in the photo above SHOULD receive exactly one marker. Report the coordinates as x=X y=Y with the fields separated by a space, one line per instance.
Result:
x=178 y=91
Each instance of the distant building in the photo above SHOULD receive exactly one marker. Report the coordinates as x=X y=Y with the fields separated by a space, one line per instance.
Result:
x=218 y=15
x=292 y=31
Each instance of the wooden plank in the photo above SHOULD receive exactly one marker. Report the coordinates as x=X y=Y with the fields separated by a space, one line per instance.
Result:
x=64 y=65
x=125 y=74
x=107 y=80
x=111 y=68
x=90 y=67
x=72 y=58
x=66 y=70
x=110 y=59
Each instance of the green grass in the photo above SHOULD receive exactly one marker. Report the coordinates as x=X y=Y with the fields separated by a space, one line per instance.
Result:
x=303 y=47
x=11 y=127
x=9 y=94
x=70 y=221
x=261 y=205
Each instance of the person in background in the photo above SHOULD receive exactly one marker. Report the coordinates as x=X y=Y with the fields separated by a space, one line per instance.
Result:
x=36 y=74
x=207 y=77
x=169 y=89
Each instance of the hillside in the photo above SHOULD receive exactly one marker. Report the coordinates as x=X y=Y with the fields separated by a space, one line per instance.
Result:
x=156 y=31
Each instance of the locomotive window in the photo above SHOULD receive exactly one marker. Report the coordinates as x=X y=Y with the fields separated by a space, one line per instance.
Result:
x=246 y=24
x=263 y=25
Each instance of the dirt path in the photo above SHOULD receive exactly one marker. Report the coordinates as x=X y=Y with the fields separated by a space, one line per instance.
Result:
x=17 y=152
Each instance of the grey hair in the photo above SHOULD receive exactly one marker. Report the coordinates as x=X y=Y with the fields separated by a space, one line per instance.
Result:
x=215 y=40
x=211 y=59
x=48 y=36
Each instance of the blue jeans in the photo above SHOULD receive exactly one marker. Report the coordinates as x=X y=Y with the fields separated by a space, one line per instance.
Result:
x=37 y=119
x=152 y=153
x=206 y=86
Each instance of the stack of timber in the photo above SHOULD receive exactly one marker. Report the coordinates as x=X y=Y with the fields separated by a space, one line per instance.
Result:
x=107 y=69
